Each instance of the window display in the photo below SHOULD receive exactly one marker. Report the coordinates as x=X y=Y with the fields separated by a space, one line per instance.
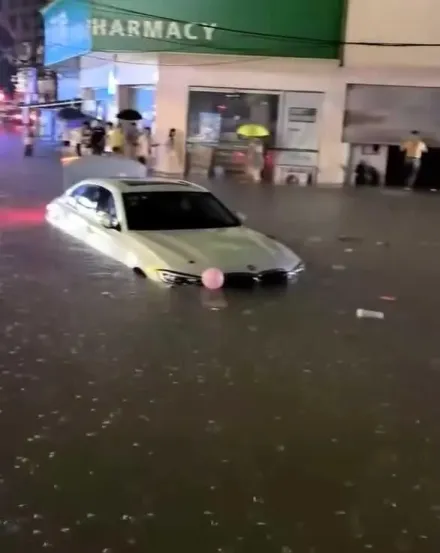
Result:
x=213 y=145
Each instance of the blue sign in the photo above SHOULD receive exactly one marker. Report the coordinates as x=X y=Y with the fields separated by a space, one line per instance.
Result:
x=66 y=30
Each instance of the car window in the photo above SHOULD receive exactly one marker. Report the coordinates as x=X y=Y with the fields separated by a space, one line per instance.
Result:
x=106 y=202
x=89 y=196
x=176 y=211
x=78 y=191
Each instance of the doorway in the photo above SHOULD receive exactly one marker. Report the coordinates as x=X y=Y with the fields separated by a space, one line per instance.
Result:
x=428 y=177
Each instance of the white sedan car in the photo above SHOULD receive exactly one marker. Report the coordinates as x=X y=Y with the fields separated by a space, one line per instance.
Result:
x=170 y=231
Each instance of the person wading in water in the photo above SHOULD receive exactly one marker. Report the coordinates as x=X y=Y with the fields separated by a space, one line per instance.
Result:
x=413 y=148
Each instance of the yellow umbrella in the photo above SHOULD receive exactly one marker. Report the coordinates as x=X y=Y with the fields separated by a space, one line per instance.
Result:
x=252 y=131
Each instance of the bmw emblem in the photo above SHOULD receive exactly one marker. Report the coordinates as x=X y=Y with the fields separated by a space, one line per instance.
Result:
x=251 y=267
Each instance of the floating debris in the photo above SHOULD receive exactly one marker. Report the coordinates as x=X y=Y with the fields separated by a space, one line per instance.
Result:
x=346 y=238
x=368 y=314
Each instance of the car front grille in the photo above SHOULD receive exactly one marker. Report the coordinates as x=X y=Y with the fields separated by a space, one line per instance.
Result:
x=239 y=280
x=249 y=280
x=273 y=278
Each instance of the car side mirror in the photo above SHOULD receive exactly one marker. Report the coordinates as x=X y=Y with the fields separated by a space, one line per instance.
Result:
x=241 y=216
x=105 y=220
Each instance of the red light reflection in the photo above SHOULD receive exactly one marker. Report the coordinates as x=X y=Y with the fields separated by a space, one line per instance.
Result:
x=21 y=217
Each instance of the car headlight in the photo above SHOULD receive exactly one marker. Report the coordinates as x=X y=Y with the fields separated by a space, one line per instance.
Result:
x=173 y=278
x=297 y=270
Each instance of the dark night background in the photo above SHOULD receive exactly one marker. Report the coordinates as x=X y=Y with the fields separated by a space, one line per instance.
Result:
x=7 y=69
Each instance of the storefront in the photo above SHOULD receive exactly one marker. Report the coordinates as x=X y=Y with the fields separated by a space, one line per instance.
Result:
x=230 y=69
x=378 y=118
x=203 y=68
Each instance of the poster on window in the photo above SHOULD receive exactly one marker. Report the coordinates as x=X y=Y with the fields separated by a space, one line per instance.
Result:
x=209 y=127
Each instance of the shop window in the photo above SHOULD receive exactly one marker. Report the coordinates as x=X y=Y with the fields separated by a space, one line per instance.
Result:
x=215 y=116
x=213 y=145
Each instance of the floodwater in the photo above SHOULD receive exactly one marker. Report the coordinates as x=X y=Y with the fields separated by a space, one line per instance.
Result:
x=134 y=419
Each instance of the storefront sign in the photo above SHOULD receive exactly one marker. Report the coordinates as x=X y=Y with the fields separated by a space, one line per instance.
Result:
x=155 y=29
x=278 y=28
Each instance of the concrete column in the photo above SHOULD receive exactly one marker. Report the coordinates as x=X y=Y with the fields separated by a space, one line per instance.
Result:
x=171 y=112
x=332 y=151
x=124 y=97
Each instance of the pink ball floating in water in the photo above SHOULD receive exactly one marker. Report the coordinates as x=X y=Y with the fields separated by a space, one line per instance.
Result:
x=213 y=279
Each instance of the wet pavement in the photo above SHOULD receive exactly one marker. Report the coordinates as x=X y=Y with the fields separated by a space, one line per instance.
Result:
x=133 y=419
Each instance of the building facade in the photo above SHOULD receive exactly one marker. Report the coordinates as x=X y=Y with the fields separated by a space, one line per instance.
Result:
x=393 y=87
x=205 y=68
x=23 y=21
x=33 y=83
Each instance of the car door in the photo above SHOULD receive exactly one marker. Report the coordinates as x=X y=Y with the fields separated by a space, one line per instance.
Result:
x=108 y=241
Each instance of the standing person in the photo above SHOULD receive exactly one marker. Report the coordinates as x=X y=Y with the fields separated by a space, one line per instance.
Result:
x=255 y=159
x=97 y=139
x=29 y=141
x=413 y=148
x=86 y=135
x=171 y=152
x=145 y=149
x=115 y=138
x=108 y=132
x=65 y=138
x=75 y=141
x=131 y=140
x=142 y=149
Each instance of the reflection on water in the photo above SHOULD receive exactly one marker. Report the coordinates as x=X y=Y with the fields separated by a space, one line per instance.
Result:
x=135 y=418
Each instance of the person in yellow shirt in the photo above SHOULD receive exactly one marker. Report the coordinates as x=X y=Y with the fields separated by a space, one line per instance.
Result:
x=115 y=138
x=413 y=148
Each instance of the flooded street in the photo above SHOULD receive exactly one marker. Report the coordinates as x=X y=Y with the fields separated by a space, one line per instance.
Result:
x=139 y=419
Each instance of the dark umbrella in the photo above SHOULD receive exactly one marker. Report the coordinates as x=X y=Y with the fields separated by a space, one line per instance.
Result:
x=129 y=115
x=71 y=114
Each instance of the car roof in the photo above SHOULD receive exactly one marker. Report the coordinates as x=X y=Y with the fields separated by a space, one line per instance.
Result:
x=154 y=184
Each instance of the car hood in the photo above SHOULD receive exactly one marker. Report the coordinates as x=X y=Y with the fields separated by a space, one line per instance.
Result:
x=231 y=250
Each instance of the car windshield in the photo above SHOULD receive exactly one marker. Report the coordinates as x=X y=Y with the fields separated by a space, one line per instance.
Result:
x=177 y=210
